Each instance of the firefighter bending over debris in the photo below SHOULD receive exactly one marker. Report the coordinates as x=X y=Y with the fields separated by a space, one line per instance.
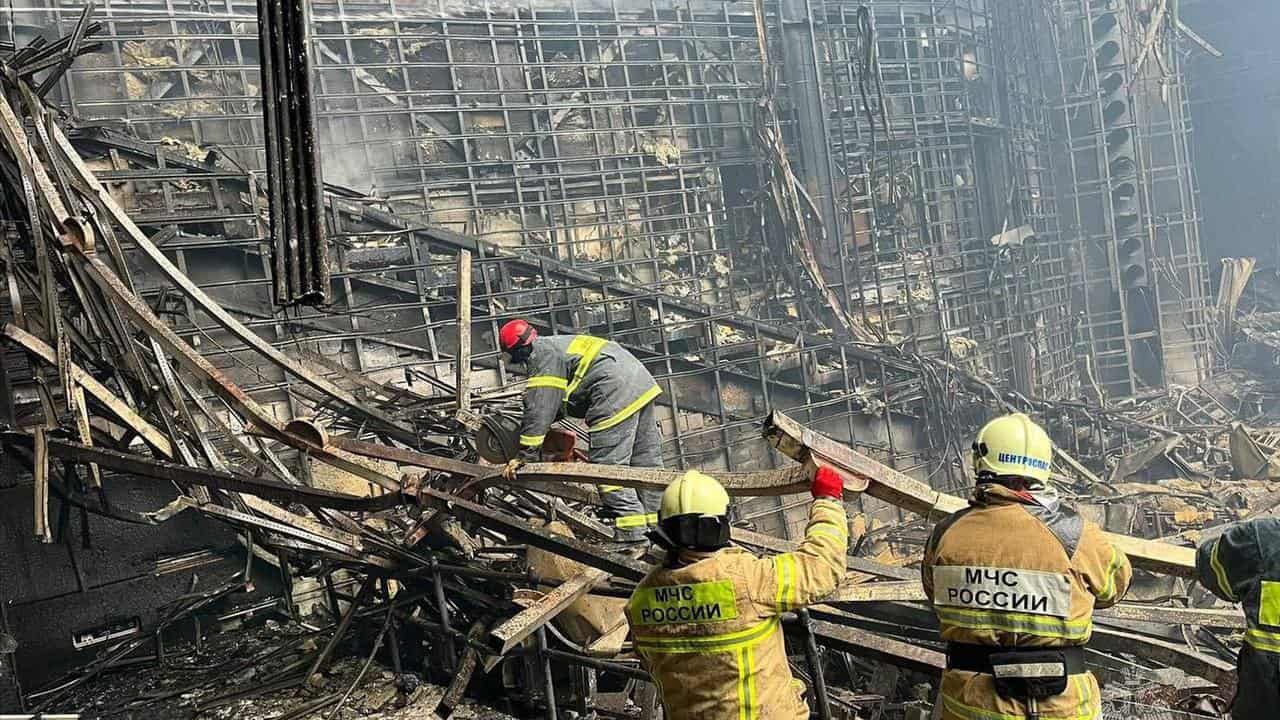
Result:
x=1242 y=565
x=706 y=621
x=1014 y=579
x=596 y=379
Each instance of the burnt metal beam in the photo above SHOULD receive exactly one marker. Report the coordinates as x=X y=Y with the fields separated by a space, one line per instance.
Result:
x=466 y=669
x=526 y=622
x=213 y=479
x=202 y=300
x=865 y=474
x=854 y=564
x=896 y=591
x=300 y=255
x=414 y=458
x=1217 y=671
x=878 y=647
x=516 y=529
x=121 y=409
x=233 y=394
x=787 y=481
x=919 y=622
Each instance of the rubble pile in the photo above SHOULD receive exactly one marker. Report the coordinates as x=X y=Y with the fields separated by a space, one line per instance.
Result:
x=446 y=579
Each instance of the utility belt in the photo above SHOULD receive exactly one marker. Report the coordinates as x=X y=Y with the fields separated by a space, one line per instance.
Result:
x=1026 y=674
x=984 y=658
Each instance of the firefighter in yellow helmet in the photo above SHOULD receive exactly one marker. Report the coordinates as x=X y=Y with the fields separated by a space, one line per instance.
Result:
x=706 y=622
x=1014 y=579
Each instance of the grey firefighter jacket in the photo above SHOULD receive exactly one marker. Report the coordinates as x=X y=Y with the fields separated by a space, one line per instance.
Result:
x=1242 y=565
x=584 y=376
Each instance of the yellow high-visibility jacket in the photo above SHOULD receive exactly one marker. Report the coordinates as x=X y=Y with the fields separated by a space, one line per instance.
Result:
x=1008 y=573
x=708 y=629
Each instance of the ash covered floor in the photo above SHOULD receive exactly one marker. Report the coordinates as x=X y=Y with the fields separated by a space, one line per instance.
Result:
x=256 y=674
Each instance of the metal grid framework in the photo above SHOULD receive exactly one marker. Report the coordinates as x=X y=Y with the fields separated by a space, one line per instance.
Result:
x=1130 y=198
x=967 y=157
x=604 y=155
x=593 y=133
x=395 y=314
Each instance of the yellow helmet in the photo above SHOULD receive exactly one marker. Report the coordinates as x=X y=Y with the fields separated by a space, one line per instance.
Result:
x=1013 y=445
x=694 y=513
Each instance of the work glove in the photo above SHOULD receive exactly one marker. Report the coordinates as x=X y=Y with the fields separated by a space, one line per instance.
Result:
x=509 y=471
x=827 y=483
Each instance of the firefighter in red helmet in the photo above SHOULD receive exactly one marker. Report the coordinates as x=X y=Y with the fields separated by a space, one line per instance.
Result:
x=595 y=379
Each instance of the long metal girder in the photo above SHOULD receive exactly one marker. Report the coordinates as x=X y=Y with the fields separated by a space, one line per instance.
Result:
x=787 y=481
x=213 y=479
x=210 y=306
x=217 y=381
x=868 y=644
x=742 y=484
x=853 y=564
x=913 y=591
x=411 y=457
x=883 y=482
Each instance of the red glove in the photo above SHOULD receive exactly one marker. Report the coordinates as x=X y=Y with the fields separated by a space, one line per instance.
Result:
x=827 y=483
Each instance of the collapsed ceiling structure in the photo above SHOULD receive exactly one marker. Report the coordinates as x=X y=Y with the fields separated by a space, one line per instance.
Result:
x=865 y=234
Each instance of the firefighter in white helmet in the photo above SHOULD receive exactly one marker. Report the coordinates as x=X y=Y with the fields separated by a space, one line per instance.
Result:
x=706 y=621
x=1014 y=579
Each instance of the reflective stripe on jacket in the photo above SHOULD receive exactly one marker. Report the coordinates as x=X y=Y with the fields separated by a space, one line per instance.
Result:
x=1242 y=565
x=709 y=631
x=1008 y=573
x=595 y=377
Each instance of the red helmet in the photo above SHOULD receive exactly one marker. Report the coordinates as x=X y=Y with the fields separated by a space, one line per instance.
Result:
x=514 y=334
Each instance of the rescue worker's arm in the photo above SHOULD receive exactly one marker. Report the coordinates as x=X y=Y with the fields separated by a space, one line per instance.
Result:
x=1230 y=563
x=813 y=570
x=543 y=398
x=1106 y=571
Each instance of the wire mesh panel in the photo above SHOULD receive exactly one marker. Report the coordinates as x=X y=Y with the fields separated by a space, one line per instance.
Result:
x=941 y=144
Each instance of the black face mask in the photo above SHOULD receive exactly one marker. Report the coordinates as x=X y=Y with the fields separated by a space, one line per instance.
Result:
x=695 y=532
x=520 y=355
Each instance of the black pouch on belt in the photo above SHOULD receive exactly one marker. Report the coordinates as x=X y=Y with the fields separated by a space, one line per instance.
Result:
x=1037 y=674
